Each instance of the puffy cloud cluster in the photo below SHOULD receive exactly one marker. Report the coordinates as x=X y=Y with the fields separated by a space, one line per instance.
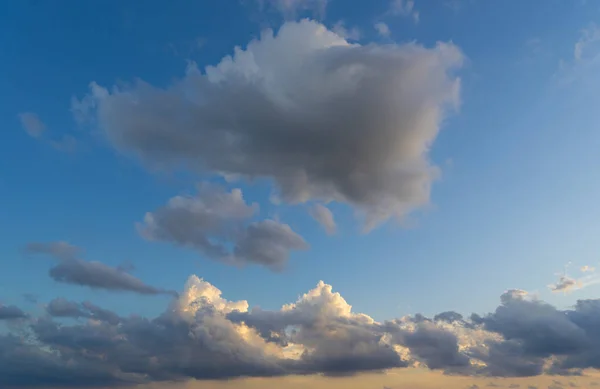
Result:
x=322 y=118
x=71 y=269
x=202 y=335
x=214 y=220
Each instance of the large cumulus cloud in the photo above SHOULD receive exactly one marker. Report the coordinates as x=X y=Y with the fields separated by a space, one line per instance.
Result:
x=324 y=119
x=202 y=335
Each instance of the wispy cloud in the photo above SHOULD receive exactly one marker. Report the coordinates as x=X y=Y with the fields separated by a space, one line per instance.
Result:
x=567 y=284
x=382 y=29
x=37 y=129
x=32 y=124
x=71 y=269
x=404 y=8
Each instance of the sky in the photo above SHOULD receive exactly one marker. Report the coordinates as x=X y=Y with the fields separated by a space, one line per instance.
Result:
x=300 y=192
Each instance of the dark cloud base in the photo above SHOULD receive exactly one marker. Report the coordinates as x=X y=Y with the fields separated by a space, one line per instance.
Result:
x=203 y=336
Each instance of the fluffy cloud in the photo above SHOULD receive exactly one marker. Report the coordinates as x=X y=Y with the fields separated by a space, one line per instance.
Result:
x=324 y=119
x=323 y=215
x=213 y=220
x=70 y=269
x=202 y=335
x=32 y=124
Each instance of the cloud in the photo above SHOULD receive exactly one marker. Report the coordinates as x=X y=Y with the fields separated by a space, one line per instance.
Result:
x=404 y=8
x=568 y=284
x=268 y=243
x=11 y=312
x=287 y=108
x=587 y=45
x=587 y=269
x=586 y=57
x=70 y=269
x=564 y=284
x=36 y=128
x=214 y=223
x=290 y=8
x=60 y=307
x=202 y=335
x=324 y=217
x=352 y=34
x=32 y=124
x=382 y=29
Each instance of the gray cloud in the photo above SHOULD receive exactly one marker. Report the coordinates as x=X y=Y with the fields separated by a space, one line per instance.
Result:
x=449 y=316
x=564 y=284
x=202 y=221
x=201 y=335
x=268 y=243
x=70 y=269
x=323 y=215
x=11 y=312
x=32 y=124
x=214 y=222
x=568 y=284
x=288 y=108
x=438 y=348
x=61 y=307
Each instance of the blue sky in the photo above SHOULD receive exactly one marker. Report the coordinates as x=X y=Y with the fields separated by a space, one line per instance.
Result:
x=516 y=200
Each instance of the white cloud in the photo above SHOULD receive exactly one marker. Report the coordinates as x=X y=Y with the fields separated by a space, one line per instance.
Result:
x=352 y=34
x=323 y=215
x=404 y=8
x=32 y=124
x=588 y=44
x=382 y=29
x=288 y=108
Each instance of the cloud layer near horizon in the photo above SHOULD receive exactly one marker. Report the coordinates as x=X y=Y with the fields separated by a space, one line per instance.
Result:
x=324 y=119
x=202 y=335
